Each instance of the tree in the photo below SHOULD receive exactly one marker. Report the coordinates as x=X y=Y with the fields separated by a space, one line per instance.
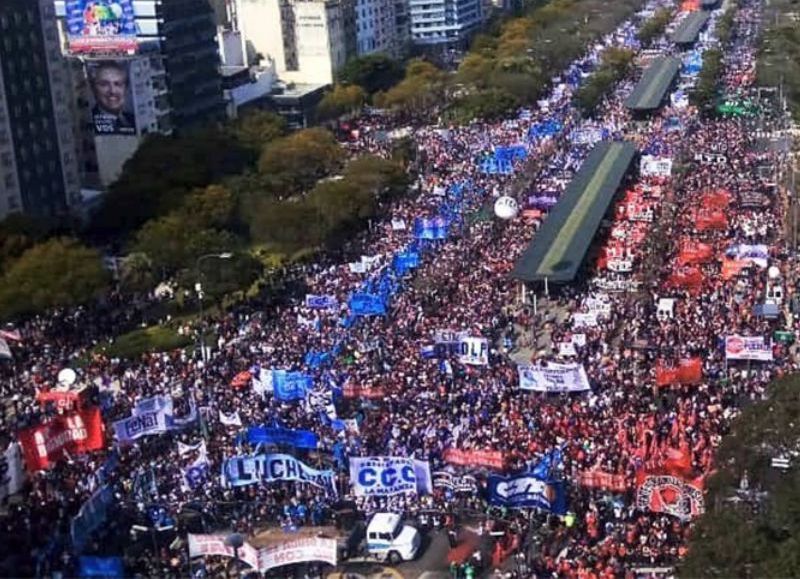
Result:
x=373 y=72
x=162 y=172
x=474 y=70
x=256 y=129
x=382 y=177
x=57 y=273
x=342 y=100
x=299 y=160
x=136 y=273
x=655 y=26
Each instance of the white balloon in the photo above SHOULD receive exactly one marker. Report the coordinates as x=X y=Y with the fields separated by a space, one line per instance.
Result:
x=506 y=207
x=67 y=377
x=773 y=272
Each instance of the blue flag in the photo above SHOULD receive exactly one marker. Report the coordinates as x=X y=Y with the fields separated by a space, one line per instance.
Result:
x=526 y=490
x=289 y=386
x=101 y=567
x=282 y=436
x=364 y=304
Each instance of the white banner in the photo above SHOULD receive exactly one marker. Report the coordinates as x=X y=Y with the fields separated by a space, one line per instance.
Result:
x=584 y=320
x=389 y=475
x=203 y=545
x=141 y=424
x=651 y=166
x=757 y=254
x=12 y=470
x=554 y=378
x=232 y=419
x=567 y=349
x=579 y=339
x=747 y=348
x=600 y=306
x=298 y=551
x=474 y=351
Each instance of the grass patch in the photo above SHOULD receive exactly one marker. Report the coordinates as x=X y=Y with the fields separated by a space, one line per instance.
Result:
x=153 y=339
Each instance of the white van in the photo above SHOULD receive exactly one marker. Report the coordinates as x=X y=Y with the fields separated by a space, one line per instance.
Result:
x=390 y=540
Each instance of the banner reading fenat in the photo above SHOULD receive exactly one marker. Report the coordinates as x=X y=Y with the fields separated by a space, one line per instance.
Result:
x=747 y=348
x=673 y=495
x=75 y=433
x=476 y=458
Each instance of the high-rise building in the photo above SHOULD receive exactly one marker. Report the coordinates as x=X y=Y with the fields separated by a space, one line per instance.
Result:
x=149 y=66
x=439 y=22
x=376 y=27
x=38 y=162
x=309 y=40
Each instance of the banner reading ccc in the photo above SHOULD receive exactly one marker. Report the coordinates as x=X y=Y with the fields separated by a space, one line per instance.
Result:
x=389 y=475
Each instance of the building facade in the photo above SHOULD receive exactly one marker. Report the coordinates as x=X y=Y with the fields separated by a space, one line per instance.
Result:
x=163 y=61
x=444 y=22
x=376 y=27
x=38 y=160
x=308 y=40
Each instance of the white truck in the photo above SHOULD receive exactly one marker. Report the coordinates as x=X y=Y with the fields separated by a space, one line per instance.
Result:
x=388 y=539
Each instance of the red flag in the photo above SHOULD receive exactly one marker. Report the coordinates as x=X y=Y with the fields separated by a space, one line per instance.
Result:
x=707 y=220
x=666 y=493
x=75 y=433
x=597 y=479
x=690 y=371
x=62 y=400
x=716 y=200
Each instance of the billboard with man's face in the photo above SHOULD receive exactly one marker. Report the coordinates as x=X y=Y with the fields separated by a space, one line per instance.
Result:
x=111 y=98
x=101 y=26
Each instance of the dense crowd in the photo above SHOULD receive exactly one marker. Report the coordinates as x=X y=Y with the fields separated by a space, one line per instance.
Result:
x=623 y=425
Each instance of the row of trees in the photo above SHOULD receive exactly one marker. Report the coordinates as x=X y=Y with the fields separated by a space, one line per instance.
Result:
x=752 y=523
x=655 y=26
x=779 y=55
x=615 y=65
x=705 y=93
x=508 y=66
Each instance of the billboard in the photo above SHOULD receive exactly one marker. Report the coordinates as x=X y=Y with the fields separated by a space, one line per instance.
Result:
x=100 y=26
x=111 y=99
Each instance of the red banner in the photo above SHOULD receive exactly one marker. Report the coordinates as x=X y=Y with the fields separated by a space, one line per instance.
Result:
x=687 y=372
x=488 y=458
x=707 y=220
x=689 y=278
x=69 y=400
x=598 y=479
x=694 y=252
x=716 y=200
x=673 y=495
x=732 y=267
x=74 y=433
x=241 y=380
x=359 y=392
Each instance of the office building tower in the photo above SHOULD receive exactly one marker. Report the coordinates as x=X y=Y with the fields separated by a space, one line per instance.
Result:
x=376 y=27
x=444 y=22
x=38 y=161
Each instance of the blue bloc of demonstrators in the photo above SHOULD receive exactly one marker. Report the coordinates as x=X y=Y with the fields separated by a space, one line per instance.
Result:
x=430 y=229
x=101 y=567
x=288 y=386
x=525 y=491
x=362 y=304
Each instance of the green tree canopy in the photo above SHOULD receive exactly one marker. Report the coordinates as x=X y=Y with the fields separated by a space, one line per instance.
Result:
x=255 y=129
x=296 y=162
x=373 y=72
x=57 y=273
x=342 y=100
x=420 y=89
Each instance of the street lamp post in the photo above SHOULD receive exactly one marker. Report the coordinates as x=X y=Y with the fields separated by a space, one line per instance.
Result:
x=235 y=540
x=198 y=287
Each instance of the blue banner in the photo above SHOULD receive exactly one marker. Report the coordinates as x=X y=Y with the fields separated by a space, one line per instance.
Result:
x=320 y=302
x=526 y=490
x=363 y=304
x=101 y=567
x=404 y=262
x=246 y=470
x=431 y=229
x=544 y=129
x=281 y=435
x=92 y=515
x=511 y=153
x=316 y=359
x=288 y=386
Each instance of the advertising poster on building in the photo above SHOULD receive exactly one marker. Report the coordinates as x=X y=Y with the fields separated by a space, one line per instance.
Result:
x=110 y=96
x=101 y=26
